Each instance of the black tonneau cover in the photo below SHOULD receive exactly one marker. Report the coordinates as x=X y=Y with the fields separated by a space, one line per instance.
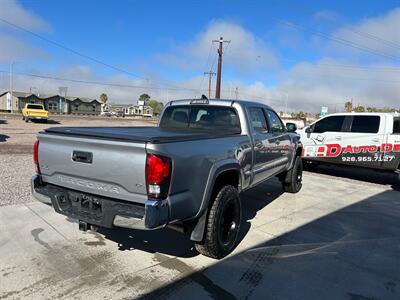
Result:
x=155 y=135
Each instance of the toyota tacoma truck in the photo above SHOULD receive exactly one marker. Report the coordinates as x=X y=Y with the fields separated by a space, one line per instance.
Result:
x=369 y=140
x=186 y=173
x=34 y=112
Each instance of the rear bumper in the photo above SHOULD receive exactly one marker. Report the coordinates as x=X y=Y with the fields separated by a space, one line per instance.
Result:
x=36 y=117
x=101 y=211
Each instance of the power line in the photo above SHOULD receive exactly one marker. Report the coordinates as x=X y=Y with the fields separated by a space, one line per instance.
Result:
x=208 y=59
x=102 y=83
x=72 y=50
x=376 y=38
x=341 y=41
x=359 y=32
x=347 y=66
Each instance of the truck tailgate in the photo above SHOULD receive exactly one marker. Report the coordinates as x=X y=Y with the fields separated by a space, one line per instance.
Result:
x=37 y=113
x=112 y=169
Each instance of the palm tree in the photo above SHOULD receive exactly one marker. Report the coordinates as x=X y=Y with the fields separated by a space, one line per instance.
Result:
x=348 y=106
x=103 y=98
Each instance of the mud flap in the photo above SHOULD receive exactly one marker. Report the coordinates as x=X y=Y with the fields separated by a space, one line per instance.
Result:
x=198 y=230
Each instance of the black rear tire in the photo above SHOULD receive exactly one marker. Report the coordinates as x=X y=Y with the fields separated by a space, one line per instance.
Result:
x=26 y=120
x=294 y=177
x=223 y=224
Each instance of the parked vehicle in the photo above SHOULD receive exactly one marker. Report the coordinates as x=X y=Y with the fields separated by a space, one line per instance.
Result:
x=120 y=114
x=106 y=114
x=34 y=112
x=185 y=173
x=370 y=140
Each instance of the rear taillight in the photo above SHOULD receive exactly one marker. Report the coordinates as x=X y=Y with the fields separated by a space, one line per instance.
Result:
x=158 y=176
x=36 y=156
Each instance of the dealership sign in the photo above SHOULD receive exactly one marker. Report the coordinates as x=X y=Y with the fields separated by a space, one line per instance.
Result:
x=335 y=150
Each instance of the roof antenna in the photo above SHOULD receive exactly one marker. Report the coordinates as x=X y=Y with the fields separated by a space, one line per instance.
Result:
x=204 y=97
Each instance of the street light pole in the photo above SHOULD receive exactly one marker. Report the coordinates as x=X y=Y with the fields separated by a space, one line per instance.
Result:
x=11 y=87
x=286 y=100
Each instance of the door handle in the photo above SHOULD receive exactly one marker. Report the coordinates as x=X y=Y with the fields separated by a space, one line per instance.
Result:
x=376 y=140
x=258 y=145
x=338 y=138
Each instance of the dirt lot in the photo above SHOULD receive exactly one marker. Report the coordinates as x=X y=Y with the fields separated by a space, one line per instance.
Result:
x=16 y=143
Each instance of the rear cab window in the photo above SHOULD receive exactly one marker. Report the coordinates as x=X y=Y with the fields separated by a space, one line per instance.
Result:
x=365 y=124
x=210 y=118
x=257 y=120
x=332 y=123
x=34 y=106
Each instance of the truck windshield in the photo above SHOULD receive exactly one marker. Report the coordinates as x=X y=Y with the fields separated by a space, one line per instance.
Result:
x=202 y=118
x=35 y=106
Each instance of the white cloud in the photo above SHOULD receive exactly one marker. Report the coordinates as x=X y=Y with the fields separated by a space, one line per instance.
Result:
x=14 y=12
x=13 y=49
x=245 y=53
x=326 y=83
x=380 y=33
x=125 y=90
x=307 y=86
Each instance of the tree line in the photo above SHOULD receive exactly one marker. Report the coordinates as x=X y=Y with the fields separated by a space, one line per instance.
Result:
x=348 y=107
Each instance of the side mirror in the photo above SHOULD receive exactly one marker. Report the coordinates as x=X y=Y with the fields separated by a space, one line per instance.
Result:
x=291 y=127
x=308 y=130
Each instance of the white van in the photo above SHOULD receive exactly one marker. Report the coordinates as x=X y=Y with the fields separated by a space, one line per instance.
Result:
x=369 y=140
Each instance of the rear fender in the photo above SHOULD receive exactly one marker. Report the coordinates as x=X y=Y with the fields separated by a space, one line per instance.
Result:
x=217 y=169
x=298 y=151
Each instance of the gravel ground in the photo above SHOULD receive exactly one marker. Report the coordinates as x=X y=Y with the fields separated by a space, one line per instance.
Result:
x=15 y=172
x=16 y=142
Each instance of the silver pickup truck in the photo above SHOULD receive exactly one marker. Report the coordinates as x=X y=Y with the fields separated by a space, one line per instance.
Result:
x=186 y=173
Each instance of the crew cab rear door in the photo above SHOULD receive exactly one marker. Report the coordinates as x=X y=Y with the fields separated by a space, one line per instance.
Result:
x=282 y=143
x=267 y=160
x=362 y=140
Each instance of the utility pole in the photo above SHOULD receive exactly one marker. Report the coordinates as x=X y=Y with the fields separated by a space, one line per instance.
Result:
x=210 y=74
x=221 y=41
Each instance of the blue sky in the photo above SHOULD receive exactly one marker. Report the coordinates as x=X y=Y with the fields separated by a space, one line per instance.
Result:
x=279 y=50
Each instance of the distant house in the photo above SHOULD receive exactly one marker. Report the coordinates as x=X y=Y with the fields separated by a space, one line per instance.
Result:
x=85 y=106
x=133 y=110
x=52 y=103
x=125 y=108
x=147 y=111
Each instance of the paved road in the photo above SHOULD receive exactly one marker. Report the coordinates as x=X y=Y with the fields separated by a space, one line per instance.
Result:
x=336 y=239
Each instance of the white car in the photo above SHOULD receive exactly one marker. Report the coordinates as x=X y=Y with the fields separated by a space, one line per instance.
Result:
x=369 y=140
